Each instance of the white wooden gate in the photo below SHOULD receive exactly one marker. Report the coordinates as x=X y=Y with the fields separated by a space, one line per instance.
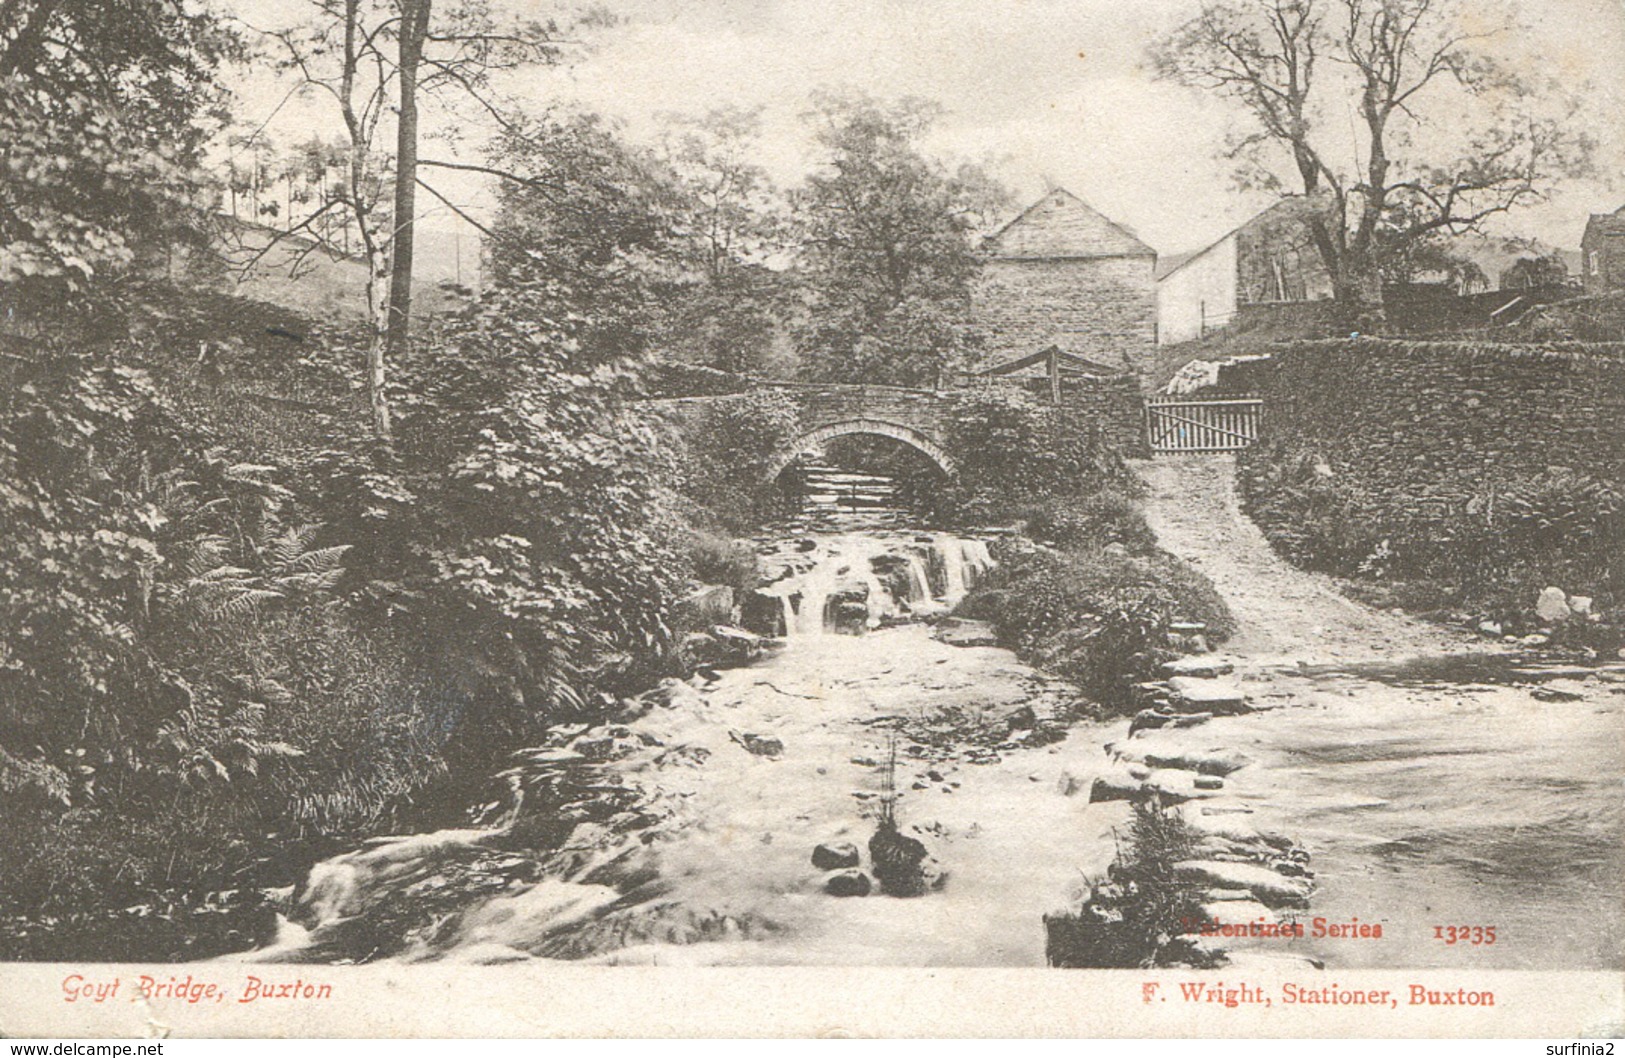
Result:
x=1179 y=424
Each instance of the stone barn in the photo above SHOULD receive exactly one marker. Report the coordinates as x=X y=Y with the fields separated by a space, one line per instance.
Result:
x=1271 y=260
x=1063 y=275
x=1602 y=252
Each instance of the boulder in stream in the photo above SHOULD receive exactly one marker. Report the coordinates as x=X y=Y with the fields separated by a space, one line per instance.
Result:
x=1552 y=605
x=901 y=863
x=760 y=745
x=848 y=883
x=834 y=855
x=964 y=632
x=709 y=604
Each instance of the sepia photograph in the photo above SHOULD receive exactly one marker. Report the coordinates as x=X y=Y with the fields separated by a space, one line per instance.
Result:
x=812 y=517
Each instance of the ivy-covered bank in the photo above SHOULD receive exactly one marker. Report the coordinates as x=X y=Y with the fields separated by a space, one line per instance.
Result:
x=222 y=657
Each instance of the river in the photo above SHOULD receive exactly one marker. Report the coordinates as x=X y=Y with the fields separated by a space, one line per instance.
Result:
x=1462 y=792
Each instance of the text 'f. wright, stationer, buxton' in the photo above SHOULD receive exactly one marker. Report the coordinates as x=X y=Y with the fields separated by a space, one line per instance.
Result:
x=1221 y=993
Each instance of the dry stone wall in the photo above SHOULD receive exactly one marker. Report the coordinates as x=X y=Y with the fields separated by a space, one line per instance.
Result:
x=1429 y=422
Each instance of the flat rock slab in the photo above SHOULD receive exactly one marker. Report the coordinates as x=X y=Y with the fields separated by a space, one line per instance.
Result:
x=1209 y=696
x=1272 y=889
x=962 y=632
x=1135 y=784
x=1198 y=666
x=1161 y=750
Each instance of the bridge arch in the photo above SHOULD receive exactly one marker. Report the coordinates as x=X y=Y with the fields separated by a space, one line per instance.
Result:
x=812 y=439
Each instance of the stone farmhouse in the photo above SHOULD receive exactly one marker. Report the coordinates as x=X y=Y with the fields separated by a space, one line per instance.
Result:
x=1062 y=276
x=1602 y=252
x=1269 y=260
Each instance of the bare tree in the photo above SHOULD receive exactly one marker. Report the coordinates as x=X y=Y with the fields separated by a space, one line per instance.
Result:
x=376 y=60
x=1403 y=65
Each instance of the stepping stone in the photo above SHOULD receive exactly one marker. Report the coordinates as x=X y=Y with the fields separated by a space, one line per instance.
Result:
x=1272 y=889
x=1212 y=696
x=1198 y=667
x=1167 y=750
x=963 y=632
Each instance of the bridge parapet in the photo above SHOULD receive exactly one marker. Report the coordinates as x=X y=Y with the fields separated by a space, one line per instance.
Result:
x=923 y=418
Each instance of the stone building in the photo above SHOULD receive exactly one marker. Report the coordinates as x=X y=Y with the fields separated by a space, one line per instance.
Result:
x=1602 y=252
x=1269 y=260
x=1063 y=275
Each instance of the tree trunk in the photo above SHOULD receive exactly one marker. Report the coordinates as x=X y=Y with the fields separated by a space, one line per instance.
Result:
x=1357 y=286
x=414 y=27
x=377 y=340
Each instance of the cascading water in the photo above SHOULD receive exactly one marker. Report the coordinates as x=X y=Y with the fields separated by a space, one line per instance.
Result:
x=644 y=823
x=858 y=582
x=634 y=842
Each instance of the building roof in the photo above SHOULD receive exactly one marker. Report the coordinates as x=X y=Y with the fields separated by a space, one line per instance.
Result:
x=1036 y=365
x=1606 y=224
x=1061 y=226
x=1288 y=208
x=1173 y=262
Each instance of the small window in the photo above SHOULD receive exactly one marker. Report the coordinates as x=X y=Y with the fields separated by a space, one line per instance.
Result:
x=1596 y=262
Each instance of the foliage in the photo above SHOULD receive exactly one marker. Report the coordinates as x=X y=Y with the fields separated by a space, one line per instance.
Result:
x=1090 y=521
x=376 y=60
x=1016 y=452
x=720 y=560
x=589 y=225
x=1531 y=272
x=1422 y=258
x=517 y=525
x=731 y=325
x=729 y=208
x=173 y=649
x=80 y=195
x=885 y=235
x=157 y=61
x=1492 y=554
x=728 y=451
x=104 y=108
x=1098 y=620
x=1135 y=918
x=668 y=379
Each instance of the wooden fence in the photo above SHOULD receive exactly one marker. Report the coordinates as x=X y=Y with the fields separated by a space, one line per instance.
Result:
x=1179 y=424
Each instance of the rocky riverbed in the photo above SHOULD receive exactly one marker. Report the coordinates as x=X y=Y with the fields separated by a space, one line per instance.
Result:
x=1377 y=792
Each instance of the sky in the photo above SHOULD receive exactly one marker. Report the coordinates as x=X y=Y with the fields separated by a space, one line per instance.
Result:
x=1045 y=92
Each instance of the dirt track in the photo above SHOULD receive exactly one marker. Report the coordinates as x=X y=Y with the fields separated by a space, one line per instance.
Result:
x=1284 y=614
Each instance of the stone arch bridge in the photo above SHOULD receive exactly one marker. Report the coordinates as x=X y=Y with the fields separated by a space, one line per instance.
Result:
x=923 y=418
x=919 y=418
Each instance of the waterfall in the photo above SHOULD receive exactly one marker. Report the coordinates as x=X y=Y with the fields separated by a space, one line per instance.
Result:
x=919 y=583
x=855 y=583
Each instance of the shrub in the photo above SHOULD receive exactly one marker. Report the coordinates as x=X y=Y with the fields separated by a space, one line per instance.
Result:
x=1016 y=452
x=1491 y=553
x=1135 y=918
x=727 y=455
x=1100 y=621
x=721 y=560
x=1090 y=522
